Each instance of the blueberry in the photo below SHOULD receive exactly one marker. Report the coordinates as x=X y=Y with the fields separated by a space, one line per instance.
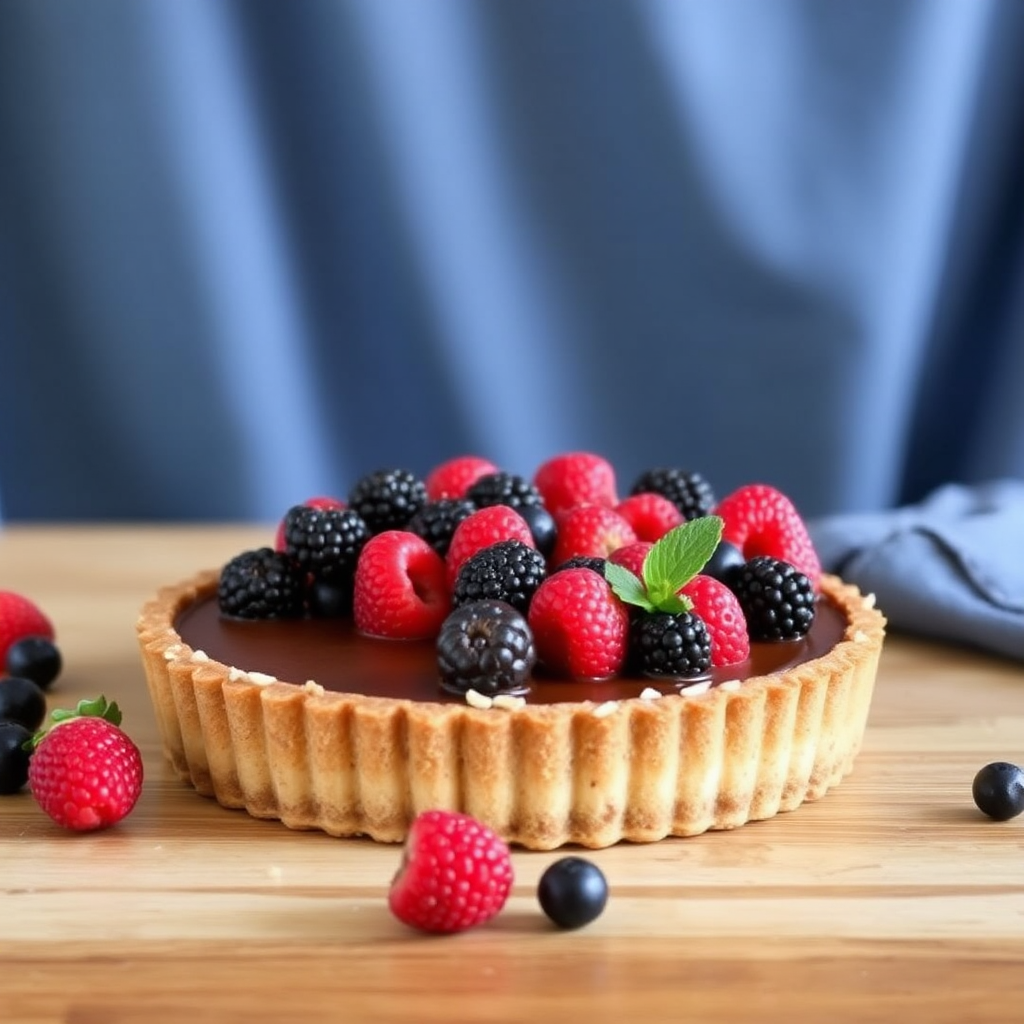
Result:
x=34 y=658
x=572 y=892
x=13 y=757
x=22 y=701
x=542 y=527
x=999 y=790
x=725 y=559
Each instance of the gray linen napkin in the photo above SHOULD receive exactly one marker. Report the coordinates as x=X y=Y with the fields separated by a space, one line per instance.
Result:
x=950 y=568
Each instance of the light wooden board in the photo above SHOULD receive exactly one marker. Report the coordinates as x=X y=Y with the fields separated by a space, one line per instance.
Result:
x=890 y=898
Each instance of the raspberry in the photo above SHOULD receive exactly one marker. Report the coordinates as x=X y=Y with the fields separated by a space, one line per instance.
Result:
x=761 y=520
x=455 y=874
x=632 y=556
x=502 y=488
x=321 y=502
x=400 y=590
x=580 y=628
x=592 y=530
x=20 y=617
x=388 y=499
x=575 y=478
x=480 y=530
x=486 y=646
x=508 y=571
x=689 y=492
x=85 y=773
x=325 y=542
x=453 y=478
x=777 y=599
x=720 y=610
x=260 y=584
x=436 y=521
x=665 y=644
x=651 y=515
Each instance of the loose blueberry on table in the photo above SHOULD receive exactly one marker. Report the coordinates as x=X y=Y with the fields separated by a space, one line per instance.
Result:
x=998 y=790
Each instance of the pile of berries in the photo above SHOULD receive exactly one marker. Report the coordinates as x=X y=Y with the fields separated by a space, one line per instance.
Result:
x=84 y=771
x=556 y=571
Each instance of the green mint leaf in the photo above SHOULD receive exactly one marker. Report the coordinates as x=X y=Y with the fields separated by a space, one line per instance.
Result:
x=678 y=557
x=627 y=586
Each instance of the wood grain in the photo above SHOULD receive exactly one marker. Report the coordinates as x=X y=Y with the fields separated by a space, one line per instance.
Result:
x=890 y=897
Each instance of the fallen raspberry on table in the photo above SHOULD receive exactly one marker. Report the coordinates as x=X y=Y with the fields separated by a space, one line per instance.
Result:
x=85 y=772
x=455 y=874
x=19 y=618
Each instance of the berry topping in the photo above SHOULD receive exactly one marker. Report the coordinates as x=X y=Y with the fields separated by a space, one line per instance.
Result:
x=651 y=515
x=321 y=502
x=388 y=499
x=85 y=772
x=260 y=584
x=22 y=701
x=689 y=492
x=453 y=478
x=19 y=618
x=486 y=646
x=508 y=571
x=455 y=874
x=483 y=528
x=35 y=658
x=580 y=628
x=720 y=610
x=663 y=644
x=14 y=757
x=325 y=542
x=575 y=478
x=632 y=556
x=591 y=562
x=572 y=892
x=590 y=530
x=726 y=559
x=503 y=488
x=436 y=521
x=998 y=790
x=760 y=520
x=777 y=599
x=401 y=587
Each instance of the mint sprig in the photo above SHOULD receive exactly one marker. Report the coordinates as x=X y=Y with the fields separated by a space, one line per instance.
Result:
x=670 y=564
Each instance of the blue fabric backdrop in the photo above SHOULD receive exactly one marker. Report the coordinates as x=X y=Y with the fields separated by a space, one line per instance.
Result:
x=249 y=251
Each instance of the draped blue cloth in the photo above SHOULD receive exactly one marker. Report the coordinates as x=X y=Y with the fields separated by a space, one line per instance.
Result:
x=252 y=250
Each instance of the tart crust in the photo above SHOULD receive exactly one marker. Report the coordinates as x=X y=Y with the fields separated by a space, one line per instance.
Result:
x=542 y=776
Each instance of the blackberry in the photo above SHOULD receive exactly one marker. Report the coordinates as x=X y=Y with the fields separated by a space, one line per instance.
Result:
x=388 y=499
x=777 y=599
x=485 y=646
x=592 y=562
x=436 y=521
x=663 y=644
x=689 y=492
x=261 y=584
x=508 y=571
x=325 y=542
x=503 y=488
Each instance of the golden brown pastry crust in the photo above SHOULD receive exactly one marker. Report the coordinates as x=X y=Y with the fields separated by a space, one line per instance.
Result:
x=542 y=776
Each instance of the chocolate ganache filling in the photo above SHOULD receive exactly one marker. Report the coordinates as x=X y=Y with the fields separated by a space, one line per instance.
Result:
x=335 y=655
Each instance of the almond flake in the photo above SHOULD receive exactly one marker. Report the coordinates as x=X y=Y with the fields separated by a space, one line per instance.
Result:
x=478 y=700
x=199 y=656
x=234 y=674
x=860 y=636
x=261 y=678
x=508 y=701
x=649 y=693
x=696 y=689
x=605 y=709
x=869 y=601
x=730 y=685
x=312 y=686
x=172 y=652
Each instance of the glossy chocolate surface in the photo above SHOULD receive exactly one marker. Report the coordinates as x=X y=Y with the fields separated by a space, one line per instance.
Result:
x=333 y=654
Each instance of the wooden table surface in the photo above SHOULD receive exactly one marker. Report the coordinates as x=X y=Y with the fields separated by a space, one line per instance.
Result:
x=891 y=898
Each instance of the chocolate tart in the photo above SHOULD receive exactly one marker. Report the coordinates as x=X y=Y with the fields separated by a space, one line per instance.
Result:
x=314 y=725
